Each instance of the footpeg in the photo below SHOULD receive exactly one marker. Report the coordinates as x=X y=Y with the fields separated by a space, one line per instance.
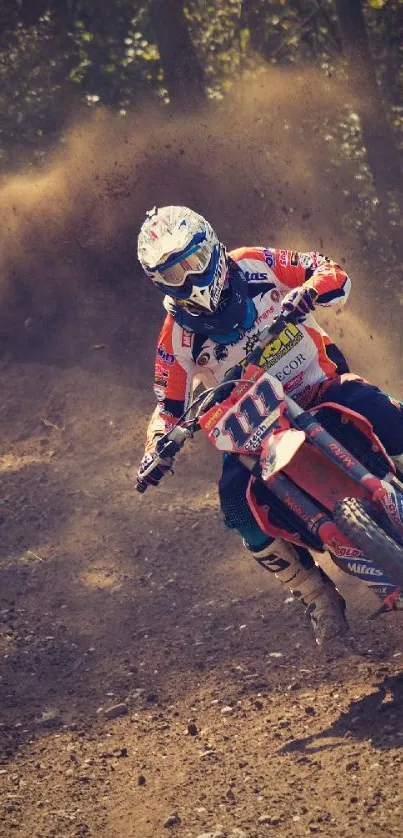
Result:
x=389 y=604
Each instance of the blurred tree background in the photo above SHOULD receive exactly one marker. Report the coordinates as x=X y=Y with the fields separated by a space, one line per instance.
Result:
x=175 y=62
x=63 y=57
x=58 y=54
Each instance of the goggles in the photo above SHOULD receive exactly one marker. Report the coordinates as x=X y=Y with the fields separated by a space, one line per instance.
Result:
x=174 y=276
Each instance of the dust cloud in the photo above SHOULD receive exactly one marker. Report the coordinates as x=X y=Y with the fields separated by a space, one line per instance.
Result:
x=256 y=165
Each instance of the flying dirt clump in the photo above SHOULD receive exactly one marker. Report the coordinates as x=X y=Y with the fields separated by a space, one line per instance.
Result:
x=253 y=165
x=256 y=165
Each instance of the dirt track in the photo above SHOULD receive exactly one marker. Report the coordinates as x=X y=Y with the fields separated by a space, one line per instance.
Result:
x=232 y=719
x=235 y=721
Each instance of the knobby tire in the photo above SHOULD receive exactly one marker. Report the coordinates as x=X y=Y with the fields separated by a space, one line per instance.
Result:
x=356 y=522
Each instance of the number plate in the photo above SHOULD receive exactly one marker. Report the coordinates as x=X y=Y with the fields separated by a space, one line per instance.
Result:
x=241 y=422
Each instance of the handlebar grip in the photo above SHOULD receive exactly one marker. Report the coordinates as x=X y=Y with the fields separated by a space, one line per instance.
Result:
x=280 y=323
x=167 y=448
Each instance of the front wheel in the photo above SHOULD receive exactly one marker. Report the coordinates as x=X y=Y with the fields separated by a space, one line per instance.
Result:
x=352 y=517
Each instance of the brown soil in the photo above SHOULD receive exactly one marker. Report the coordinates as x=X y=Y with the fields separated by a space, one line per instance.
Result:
x=233 y=719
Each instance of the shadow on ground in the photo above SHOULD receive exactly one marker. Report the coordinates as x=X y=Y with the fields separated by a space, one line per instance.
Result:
x=368 y=718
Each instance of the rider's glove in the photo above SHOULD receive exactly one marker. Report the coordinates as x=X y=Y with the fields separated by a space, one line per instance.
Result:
x=299 y=303
x=154 y=477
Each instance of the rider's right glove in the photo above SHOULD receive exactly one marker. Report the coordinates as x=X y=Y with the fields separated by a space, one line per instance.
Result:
x=299 y=303
x=154 y=477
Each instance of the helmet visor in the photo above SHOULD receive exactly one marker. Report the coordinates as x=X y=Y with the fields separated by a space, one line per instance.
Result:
x=175 y=275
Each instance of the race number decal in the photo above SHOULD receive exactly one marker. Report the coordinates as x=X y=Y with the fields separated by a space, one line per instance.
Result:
x=251 y=412
x=243 y=425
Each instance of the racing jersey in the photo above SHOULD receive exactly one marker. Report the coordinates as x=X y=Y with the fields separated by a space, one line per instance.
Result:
x=300 y=357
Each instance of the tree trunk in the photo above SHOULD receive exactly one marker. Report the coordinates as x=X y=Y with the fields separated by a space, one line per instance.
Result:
x=183 y=72
x=382 y=154
x=251 y=18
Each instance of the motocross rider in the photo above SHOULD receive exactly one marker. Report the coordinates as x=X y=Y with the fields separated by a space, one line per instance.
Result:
x=216 y=304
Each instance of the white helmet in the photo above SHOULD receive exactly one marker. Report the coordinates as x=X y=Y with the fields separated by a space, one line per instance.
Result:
x=180 y=252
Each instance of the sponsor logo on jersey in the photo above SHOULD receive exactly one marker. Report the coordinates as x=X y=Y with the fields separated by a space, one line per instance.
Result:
x=269 y=258
x=255 y=276
x=284 y=343
x=308 y=260
x=187 y=338
x=294 y=383
x=294 y=258
x=220 y=352
x=265 y=315
x=160 y=393
x=283 y=258
x=165 y=356
x=251 y=342
x=289 y=368
x=275 y=295
x=161 y=377
x=203 y=359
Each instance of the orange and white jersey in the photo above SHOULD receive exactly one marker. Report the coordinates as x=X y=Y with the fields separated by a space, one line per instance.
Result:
x=300 y=357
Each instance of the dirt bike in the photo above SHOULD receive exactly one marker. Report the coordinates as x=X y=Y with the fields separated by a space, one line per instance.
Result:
x=319 y=478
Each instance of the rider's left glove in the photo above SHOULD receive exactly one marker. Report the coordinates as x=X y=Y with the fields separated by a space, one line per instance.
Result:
x=299 y=303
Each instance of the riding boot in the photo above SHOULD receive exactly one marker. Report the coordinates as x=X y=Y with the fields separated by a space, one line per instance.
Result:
x=295 y=568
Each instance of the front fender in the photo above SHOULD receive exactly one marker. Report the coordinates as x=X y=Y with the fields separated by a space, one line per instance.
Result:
x=278 y=449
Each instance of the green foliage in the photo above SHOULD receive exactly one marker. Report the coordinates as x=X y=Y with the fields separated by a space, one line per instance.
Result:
x=97 y=54
x=244 y=39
